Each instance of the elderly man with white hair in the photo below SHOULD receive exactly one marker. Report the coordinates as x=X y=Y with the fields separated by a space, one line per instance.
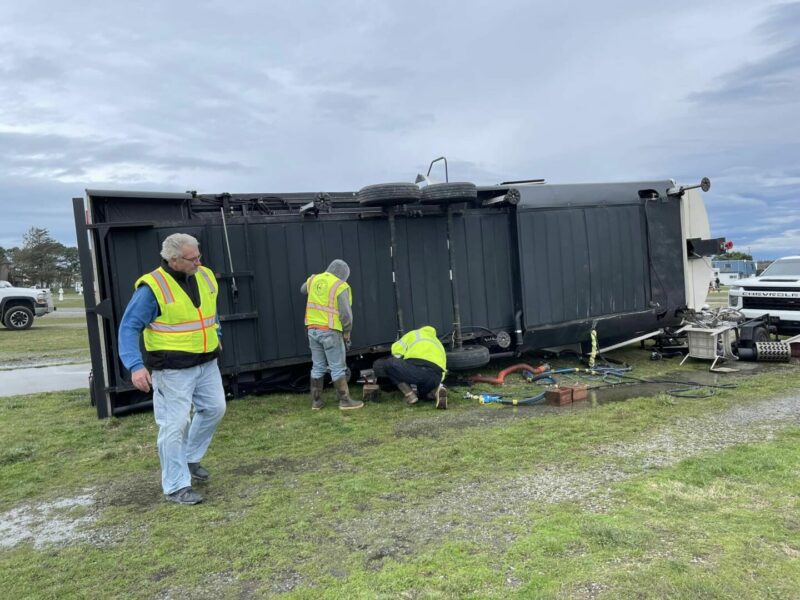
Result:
x=174 y=307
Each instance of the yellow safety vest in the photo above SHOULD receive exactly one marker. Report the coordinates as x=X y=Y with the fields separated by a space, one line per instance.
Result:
x=322 y=308
x=423 y=344
x=182 y=326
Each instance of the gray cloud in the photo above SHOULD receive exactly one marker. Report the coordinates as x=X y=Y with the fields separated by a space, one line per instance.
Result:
x=59 y=156
x=772 y=79
x=307 y=96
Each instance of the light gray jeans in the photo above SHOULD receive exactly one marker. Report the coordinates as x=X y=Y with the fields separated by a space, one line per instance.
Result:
x=183 y=438
x=327 y=353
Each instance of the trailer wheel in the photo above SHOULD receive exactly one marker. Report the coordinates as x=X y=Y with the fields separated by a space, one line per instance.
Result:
x=388 y=194
x=449 y=193
x=18 y=317
x=760 y=334
x=469 y=357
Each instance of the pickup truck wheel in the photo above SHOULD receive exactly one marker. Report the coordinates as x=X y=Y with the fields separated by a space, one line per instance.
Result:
x=18 y=317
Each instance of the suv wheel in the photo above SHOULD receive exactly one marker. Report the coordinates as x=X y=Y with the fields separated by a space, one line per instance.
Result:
x=18 y=317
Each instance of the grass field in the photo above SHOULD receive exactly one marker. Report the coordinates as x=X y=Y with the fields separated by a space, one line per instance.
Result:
x=652 y=496
x=56 y=338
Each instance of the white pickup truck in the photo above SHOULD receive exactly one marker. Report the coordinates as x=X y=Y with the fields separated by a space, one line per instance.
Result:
x=19 y=305
x=775 y=292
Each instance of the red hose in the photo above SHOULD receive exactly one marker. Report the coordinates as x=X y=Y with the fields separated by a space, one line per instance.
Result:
x=501 y=376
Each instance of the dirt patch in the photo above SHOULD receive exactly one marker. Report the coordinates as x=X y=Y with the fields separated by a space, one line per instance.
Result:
x=56 y=523
x=273 y=466
x=142 y=492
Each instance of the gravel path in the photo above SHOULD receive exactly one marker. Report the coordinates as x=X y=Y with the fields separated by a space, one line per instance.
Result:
x=473 y=511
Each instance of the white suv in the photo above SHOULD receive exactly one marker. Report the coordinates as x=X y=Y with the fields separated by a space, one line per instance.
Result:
x=775 y=292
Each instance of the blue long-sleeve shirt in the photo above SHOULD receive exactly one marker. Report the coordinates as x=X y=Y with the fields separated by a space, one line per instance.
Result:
x=140 y=312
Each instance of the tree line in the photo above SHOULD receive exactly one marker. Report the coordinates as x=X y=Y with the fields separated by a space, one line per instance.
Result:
x=41 y=261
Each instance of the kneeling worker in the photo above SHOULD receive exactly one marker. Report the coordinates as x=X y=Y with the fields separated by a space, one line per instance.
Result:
x=418 y=358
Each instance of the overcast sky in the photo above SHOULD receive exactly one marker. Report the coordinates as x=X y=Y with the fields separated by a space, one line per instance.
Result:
x=255 y=96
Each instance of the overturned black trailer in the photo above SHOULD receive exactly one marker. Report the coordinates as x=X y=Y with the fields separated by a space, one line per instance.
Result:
x=496 y=270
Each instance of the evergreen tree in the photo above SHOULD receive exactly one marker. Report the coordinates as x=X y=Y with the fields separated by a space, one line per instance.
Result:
x=36 y=263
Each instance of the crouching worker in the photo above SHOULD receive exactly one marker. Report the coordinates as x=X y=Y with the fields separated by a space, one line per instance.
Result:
x=418 y=358
x=176 y=307
x=329 y=320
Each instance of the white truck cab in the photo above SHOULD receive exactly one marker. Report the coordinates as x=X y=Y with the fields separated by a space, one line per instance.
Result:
x=775 y=292
x=18 y=306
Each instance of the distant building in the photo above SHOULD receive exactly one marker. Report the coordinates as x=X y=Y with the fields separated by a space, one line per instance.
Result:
x=731 y=270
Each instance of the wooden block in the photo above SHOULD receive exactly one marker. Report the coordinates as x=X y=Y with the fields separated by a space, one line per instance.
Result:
x=579 y=391
x=558 y=396
x=371 y=392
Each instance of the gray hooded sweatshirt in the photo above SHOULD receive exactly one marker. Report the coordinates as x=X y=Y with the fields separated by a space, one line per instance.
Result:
x=339 y=268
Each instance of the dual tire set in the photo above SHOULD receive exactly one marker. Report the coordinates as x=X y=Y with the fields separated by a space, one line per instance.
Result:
x=396 y=194
x=470 y=356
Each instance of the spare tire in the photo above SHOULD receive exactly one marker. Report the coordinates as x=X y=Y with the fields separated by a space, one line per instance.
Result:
x=388 y=194
x=469 y=357
x=449 y=193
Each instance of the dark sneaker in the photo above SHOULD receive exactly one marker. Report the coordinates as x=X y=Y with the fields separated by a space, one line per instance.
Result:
x=441 y=397
x=199 y=472
x=184 y=496
x=317 y=404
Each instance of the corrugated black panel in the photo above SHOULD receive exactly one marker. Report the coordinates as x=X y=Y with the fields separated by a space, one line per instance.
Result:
x=264 y=321
x=665 y=246
x=582 y=262
x=423 y=273
x=281 y=256
x=484 y=270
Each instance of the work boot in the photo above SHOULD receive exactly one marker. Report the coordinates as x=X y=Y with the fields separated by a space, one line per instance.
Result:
x=409 y=394
x=199 y=472
x=316 y=393
x=345 y=401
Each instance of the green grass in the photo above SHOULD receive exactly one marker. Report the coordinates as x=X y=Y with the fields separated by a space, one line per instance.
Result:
x=51 y=339
x=718 y=299
x=71 y=301
x=323 y=505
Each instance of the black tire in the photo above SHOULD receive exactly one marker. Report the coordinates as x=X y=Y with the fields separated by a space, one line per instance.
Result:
x=18 y=317
x=388 y=194
x=760 y=334
x=449 y=193
x=469 y=357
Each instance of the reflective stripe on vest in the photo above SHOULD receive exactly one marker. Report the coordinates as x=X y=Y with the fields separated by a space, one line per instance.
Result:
x=330 y=309
x=166 y=293
x=181 y=327
x=210 y=283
